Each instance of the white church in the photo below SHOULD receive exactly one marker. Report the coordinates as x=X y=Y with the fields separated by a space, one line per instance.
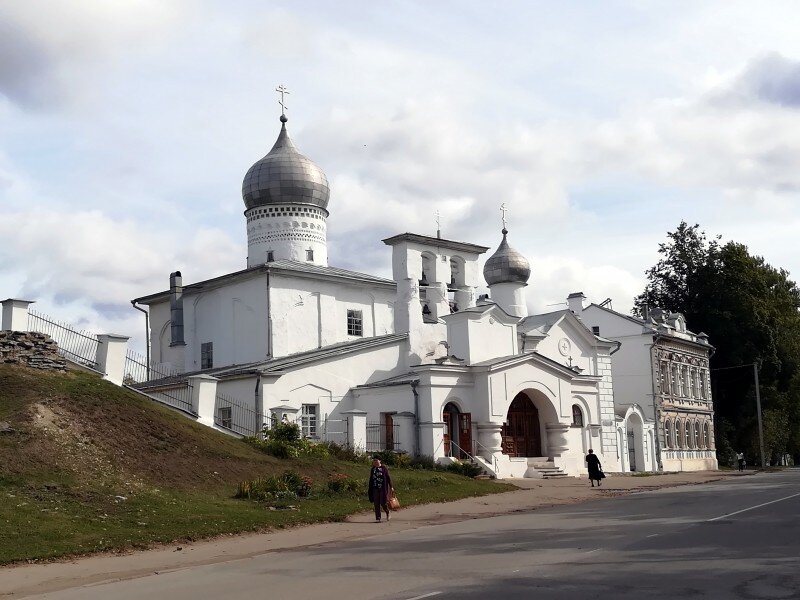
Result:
x=416 y=363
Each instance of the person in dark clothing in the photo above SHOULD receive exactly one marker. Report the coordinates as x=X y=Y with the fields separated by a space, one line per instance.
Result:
x=380 y=488
x=740 y=460
x=595 y=469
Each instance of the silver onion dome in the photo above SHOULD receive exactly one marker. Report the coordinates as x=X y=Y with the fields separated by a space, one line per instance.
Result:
x=283 y=176
x=506 y=265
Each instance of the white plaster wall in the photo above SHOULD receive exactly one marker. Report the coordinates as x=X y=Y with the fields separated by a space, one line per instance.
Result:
x=310 y=313
x=328 y=383
x=161 y=336
x=582 y=353
x=288 y=233
x=233 y=317
x=489 y=338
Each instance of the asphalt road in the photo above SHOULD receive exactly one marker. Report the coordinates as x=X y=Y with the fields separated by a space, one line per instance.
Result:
x=732 y=539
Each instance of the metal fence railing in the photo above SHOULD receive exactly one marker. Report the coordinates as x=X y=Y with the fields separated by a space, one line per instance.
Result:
x=235 y=415
x=138 y=371
x=382 y=436
x=178 y=396
x=335 y=430
x=73 y=344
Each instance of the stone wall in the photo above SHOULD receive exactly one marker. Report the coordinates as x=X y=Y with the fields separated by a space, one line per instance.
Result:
x=30 y=349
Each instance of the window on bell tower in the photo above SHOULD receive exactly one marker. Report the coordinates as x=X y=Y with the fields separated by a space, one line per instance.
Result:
x=310 y=255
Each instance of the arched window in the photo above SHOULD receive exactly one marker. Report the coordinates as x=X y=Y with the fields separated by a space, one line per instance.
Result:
x=687 y=429
x=577 y=416
x=679 y=434
x=457 y=274
x=706 y=437
x=667 y=435
x=698 y=440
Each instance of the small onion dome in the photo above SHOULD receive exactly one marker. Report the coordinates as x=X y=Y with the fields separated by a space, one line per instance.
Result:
x=285 y=176
x=506 y=265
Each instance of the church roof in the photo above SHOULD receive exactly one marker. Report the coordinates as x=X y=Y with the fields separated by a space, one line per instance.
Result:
x=426 y=240
x=285 y=176
x=276 y=366
x=285 y=267
x=506 y=265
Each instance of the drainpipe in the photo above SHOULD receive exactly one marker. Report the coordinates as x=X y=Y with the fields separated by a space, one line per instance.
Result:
x=656 y=411
x=269 y=320
x=259 y=406
x=146 y=334
x=416 y=417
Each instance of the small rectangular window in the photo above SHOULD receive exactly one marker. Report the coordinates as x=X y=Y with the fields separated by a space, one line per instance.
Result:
x=207 y=355
x=596 y=329
x=270 y=256
x=308 y=420
x=225 y=417
x=309 y=255
x=354 y=323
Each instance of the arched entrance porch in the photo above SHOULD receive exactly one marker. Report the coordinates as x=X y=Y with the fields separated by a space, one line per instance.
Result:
x=522 y=431
x=457 y=431
x=634 y=427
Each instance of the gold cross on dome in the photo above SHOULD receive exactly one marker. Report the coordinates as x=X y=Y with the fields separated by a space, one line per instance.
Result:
x=281 y=89
x=503 y=211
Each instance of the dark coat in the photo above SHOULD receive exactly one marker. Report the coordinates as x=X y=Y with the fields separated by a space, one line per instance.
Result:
x=379 y=485
x=595 y=470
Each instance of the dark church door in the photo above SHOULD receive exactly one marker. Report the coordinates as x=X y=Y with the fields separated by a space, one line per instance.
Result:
x=521 y=433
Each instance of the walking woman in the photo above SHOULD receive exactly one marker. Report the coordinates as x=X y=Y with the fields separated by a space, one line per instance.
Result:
x=595 y=469
x=380 y=488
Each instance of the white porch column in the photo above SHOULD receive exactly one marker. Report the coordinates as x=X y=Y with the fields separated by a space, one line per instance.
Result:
x=110 y=356
x=356 y=429
x=405 y=431
x=431 y=440
x=490 y=440
x=204 y=397
x=15 y=314
x=557 y=442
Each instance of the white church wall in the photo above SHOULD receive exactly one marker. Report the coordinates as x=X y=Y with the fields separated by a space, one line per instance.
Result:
x=327 y=383
x=161 y=336
x=232 y=318
x=576 y=348
x=489 y=338
x=310 y=313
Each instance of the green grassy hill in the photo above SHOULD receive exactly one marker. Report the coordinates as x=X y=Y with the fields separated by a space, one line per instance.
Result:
x=91 y=466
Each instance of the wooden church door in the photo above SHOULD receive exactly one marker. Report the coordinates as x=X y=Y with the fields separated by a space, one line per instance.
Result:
x=465 y=433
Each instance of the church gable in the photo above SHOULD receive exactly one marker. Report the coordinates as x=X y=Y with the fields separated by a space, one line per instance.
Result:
x=570 y=343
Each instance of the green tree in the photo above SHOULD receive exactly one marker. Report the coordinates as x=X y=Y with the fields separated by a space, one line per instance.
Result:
x=749 y=309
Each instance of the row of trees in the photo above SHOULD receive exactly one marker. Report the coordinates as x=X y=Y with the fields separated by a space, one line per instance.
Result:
x=749 y=309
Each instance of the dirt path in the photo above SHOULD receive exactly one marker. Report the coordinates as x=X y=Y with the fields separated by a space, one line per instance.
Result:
x=25 y=580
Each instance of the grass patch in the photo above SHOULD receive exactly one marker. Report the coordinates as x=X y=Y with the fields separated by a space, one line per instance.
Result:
x=93 y=467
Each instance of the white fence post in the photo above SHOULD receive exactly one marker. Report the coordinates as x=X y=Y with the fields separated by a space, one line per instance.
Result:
x=112 y=351
x=204 y=397
x=15 y=314
x=356 y=429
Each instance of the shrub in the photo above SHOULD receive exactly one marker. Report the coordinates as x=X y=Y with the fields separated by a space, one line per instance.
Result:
x=393 y=459
x=423 y=462
x=339 y=483
x=299 y=484
x=280 y=449
x=466 y=469
x=345 y=452
x=289 y=484
x=284 y=432
x=306 y=447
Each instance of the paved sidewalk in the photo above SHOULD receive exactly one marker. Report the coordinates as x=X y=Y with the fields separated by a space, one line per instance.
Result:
x=25 y=580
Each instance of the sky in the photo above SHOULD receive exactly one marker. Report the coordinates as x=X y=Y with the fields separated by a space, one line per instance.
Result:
x=126 y=128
